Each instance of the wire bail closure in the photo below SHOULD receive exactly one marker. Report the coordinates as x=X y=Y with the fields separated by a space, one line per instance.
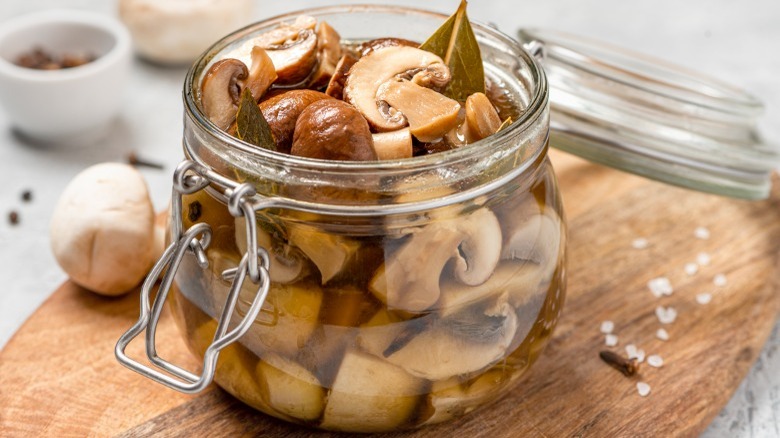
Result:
x=189 y=178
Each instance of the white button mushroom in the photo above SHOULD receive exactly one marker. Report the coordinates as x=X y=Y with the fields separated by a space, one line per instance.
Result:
x=102 y=230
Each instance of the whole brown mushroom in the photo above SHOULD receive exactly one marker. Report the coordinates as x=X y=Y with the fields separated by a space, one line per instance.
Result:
x=281 y=111
x=333 y=130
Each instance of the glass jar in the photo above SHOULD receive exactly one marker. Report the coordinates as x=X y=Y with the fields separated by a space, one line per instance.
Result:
x=385 y=295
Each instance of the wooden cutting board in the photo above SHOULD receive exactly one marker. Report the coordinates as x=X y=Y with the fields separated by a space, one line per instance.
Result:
x=58 y=375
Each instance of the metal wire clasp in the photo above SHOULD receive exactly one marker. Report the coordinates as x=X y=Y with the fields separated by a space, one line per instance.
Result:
x=190 y=178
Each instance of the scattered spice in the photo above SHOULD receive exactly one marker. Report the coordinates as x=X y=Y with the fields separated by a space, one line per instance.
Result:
x=628 y=367
x=704 y=298
x=194 y=211
x=691 y=268
x=703 y=259
x=640 y=243
x=40 y=59
x=655 y=361
x=662 y=334
x=13 y=218
x=134 y=160
x=719 y=280
x=610 y=340
x=701 y=233
x=607 y=327
x=27 y=196
x=643 y=389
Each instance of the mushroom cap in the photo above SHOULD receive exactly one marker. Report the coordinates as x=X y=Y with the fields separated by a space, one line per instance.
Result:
x=281 y=111
x=294 y=60
x=102 y=229
x=328 y=53
x=221 y=90
x=339 y=78
x=373 y=70
x=380 y=43
x=333 y=130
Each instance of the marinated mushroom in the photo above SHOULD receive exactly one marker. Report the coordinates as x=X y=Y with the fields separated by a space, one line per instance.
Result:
x=333 y=130
x=338 y=80
x=482 y=119
x=371 y=71
x=290 y=388
x=393 y=145
x=295 y=58
x=380 y=43
x=329 y=252
x=328 y=55
x=288 y=264
x=262 y=74
x=281 y=111
x=371 y=395
x=470 y=244
x=221 y=90
x=430 y=114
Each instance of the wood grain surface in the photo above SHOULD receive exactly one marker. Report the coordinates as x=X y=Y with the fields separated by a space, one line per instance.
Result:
x=58 y=375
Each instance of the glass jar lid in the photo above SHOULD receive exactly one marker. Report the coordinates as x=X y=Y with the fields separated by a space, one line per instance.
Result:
x=648 y=117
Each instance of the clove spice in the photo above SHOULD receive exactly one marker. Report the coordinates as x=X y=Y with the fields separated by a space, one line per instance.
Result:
x=628 y=367
x=13 y=218
x=134 y=160
x=27 y=196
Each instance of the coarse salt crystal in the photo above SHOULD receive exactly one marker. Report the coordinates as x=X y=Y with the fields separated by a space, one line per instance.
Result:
x=640 y=243
x=691 y=268
x=662 y=334
x=703 y=298
x=703 y=259
x=607 y=327
x=666 y=315
x=610 y=340
x=655 y=360
x=660 y=286
x=719 y=280
x=640 y=355
x=631 y=351
x=701 y=233
x=643 y=388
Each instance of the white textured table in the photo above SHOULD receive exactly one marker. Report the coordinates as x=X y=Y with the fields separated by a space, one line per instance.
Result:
x=735 y=41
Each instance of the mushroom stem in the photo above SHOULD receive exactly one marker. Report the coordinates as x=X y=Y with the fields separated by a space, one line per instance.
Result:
x=482 y=119
x=393 y=145
x=430 y=114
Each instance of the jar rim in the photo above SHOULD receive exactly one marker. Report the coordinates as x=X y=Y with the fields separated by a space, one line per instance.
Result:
x=535 y=108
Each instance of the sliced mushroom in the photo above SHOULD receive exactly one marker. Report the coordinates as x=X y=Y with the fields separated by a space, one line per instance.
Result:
x=290 y=388
x=409 y=280
x=262 y=74
x=371 y=395
x=393 y=145
x=285 y=31
x=282 y=112
x=294 y=59
x=221 y=91
x=288 y=264
x=380 y=43
x=328 y=55
x=338 y=80
x=452 y=399
x=430 y=114
x=482 y=119
x=466 y=342
x=373 y=70
x=331 y=253
x=333 y=130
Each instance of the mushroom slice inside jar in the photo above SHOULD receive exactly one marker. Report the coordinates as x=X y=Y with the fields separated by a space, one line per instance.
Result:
x=262 y=73
x=430 y=114
x=482 y=119
x=372 y=395
x=462 y=343
x=393 y=145
x=452 y=399
x=290 y=388
x=409 y=279
x=285 y=31
x=221 y=90
x=287 y=263
x=339 y=78
x=371 y=71
x=294 y=59
x=328 y=54
x=331 y=253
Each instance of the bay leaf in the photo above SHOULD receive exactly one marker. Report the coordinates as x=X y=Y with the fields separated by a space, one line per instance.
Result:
x=251 y=126
x=456 y=44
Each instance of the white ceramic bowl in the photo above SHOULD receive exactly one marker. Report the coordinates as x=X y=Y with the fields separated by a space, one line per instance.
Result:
x=60 y=106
